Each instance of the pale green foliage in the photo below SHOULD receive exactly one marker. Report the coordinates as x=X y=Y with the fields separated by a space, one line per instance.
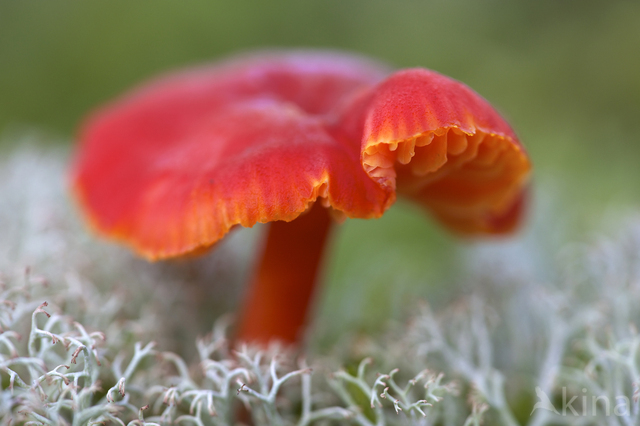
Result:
x=92 y=314
x=68 y=375
x=89 y=335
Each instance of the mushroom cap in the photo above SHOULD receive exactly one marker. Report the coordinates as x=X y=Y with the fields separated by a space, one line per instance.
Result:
x=170 y=168
x=445 y=147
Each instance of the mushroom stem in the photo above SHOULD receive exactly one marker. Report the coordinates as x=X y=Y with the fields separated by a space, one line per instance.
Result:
x=278 y=299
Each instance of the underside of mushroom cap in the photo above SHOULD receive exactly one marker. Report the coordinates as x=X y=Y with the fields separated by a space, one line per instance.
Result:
x=442 y=145
x=172 y=167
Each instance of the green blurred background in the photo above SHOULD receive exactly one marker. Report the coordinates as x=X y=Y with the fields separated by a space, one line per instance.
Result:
x=565 y=73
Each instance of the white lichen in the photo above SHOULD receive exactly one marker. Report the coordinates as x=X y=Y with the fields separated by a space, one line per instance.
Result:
x=88 y=335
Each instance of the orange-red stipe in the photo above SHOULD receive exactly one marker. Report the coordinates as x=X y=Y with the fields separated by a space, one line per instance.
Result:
x=280 y=296
x=170 y=168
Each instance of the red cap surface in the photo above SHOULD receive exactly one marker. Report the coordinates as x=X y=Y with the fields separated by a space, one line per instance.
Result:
x=172 y=167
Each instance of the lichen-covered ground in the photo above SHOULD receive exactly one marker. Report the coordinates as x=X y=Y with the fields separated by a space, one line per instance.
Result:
x=541 y=330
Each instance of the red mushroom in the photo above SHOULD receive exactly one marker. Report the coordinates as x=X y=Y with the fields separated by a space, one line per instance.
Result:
x=170 y=168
